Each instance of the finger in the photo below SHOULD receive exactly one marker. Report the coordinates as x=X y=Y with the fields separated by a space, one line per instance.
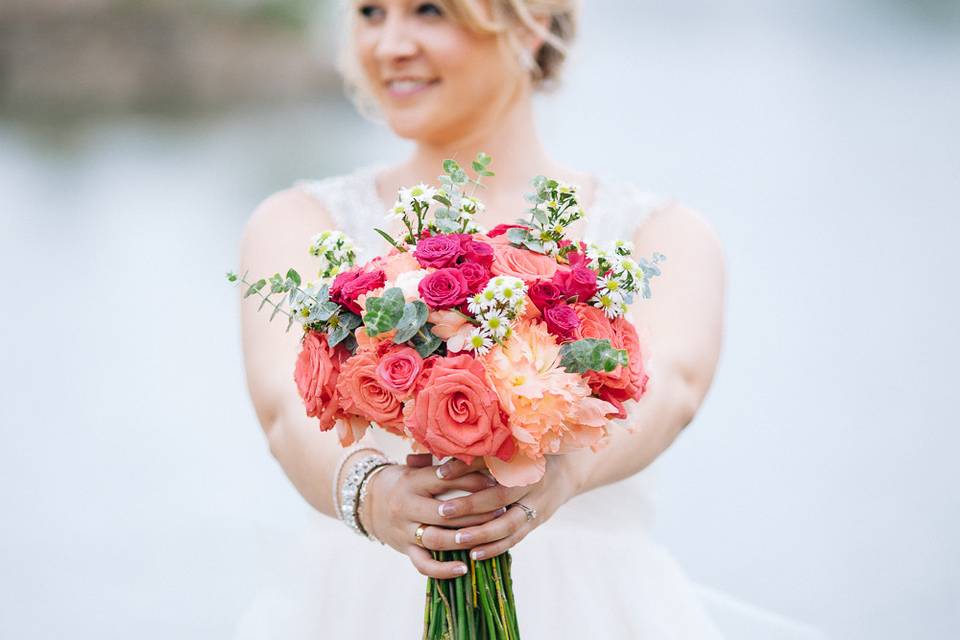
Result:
x=455 y=468
x=482 y=501
x=445 y=539
x=472 y=482
x=428 y=566
x=497 y=529
x=502 y=545
x=419 y=460
x=427 y=511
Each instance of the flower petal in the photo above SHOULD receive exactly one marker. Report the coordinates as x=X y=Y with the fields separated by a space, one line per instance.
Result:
x=521 y=471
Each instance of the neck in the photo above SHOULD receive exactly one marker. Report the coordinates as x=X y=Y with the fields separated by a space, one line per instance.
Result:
x=508 y=135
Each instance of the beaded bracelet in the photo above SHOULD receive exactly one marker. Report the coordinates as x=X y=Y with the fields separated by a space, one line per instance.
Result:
x=335 y=485
x=364 y=485
x=349 y=495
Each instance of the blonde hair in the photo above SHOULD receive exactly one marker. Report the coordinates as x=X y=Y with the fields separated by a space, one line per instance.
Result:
x=504 y=19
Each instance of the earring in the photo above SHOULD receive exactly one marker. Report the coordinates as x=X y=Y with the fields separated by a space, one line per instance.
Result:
x=526 y=60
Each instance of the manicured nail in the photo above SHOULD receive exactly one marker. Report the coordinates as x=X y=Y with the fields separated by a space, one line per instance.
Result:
x=445 y=509
x=461 y=569
x=476 y=555
x=500 y=511
x=491 y=482
x=462 y=537
x=441 y=472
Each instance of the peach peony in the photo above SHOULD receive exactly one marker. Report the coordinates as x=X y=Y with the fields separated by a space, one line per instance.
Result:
x=522 y=263
x=550 y=410
x=316 y=372
x=363 y=392
x=456 y=413
x=623 y=383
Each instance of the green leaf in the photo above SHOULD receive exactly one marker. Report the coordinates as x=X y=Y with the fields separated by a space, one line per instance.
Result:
x=483 y=158
x=488 y=174
x=477 y=166
x=386 y=236
x=414 y=316
x=384 y=312
x=255 y=287
x=293 y=276
x=326 y=310
x=444 y=200
x=517 y=236
x=591 y=354
x=337 y=334
x=425 y=342
x=450 y=166
x=232 y=277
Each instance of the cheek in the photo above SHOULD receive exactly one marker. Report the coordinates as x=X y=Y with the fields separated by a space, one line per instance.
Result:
x=470 y=66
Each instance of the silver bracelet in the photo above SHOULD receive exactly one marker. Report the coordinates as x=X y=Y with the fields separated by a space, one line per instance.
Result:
x=364 y=485
x=335 y=485
x=350 y=494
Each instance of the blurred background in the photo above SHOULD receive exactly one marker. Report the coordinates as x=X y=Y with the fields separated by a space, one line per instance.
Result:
x=820 y=137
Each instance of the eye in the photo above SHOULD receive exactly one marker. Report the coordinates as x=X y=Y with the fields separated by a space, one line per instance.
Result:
x=369 y=11
x=429 y=9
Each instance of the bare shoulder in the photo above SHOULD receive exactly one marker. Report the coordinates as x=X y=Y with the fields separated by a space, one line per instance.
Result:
x=679 y=225
x=292 y=207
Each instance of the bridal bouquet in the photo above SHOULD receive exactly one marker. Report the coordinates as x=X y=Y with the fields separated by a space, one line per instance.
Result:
x=510 y=344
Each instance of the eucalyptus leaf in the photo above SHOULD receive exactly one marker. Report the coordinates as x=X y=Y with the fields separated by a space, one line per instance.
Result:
x=425 y=342
x=337 y=334
x=294 y=276
x=255 y=287
x=591 y=354
x=517 y=235
x=384 y=312
x=414 y=317
x=326 y=310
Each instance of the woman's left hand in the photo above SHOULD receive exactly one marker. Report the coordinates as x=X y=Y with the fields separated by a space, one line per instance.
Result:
x=502 y=533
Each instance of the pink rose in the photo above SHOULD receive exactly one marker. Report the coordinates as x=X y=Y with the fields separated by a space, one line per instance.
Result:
x=395 y=263
x=444 y=288
x=562 y=321
x=363 y=392
x=501 y=229
x=544 y=294
x=350 y=285
x=476 y=275
x=439 y=251
x=316 y=372
x=477 y=252
x=458 y=414
x=399 y=369
x=579 y=282
x=522 y=263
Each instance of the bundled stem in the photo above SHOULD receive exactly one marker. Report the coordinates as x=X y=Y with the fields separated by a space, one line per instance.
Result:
x=475 y=606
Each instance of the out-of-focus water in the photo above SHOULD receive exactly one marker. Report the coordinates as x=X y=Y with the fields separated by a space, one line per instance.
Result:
x=818 y=481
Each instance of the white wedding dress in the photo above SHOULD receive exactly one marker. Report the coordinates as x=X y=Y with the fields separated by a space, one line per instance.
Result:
x=591 y=571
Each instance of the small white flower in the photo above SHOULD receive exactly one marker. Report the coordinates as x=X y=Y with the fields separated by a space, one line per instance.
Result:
x=421 y=193
x=496 y=323
x=476 y=304
x=397 y=212
x=479 y=341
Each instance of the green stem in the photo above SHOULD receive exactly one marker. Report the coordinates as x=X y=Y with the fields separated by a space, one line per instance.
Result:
x=426 y=609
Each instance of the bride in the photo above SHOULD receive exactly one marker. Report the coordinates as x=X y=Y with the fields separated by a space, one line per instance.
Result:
x=456 y=77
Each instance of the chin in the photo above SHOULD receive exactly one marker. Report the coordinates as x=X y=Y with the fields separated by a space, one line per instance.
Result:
x=418 y=126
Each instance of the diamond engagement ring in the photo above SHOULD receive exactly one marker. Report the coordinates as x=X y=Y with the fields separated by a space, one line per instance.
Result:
x=531 y=512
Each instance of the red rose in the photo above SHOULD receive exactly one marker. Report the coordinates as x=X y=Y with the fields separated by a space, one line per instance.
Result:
x=544 y=294
x=399 y=369
x=444 y=289
x=458 y=414
x=578 y=281
x=438 y=252
x=350 y=285
x=501 y=229
x=562 y=321
x=478 y=252
x=318 y=367
x=476 y=275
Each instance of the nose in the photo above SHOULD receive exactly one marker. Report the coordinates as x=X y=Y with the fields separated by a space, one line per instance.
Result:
x=396 y=40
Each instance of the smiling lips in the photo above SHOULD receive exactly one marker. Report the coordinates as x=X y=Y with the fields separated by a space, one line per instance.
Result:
x=401 y=88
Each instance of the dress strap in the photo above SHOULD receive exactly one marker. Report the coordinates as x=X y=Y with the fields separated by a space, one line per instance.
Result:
x=618 y=210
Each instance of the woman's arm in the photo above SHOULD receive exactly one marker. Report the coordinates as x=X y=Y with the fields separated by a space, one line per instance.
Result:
x=276 y=238
x=681 y=328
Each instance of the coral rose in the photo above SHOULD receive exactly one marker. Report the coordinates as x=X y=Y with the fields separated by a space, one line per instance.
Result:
x=363 y=392
x=456 y=413
x=623 y=383
x=316 y=372
x=522 y=263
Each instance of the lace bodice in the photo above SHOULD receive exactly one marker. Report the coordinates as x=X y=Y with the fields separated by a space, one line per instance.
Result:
x=353 y=202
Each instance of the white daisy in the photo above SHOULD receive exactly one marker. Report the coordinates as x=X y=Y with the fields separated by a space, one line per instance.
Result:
x=496 y=323
x=476 y=304
x=479 y=341
x=421 y=193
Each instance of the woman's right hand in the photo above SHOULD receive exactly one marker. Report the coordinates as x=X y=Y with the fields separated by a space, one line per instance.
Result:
x=401 y=497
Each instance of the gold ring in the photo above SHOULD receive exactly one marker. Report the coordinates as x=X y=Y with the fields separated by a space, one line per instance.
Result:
x=419 y=535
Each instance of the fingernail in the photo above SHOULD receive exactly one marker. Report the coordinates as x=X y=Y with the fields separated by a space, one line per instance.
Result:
x=491 y=482
x=462 y=537
x=441 y=472
x=445 y=509
x=461 y=569
x=501 y=511
x=476 y=555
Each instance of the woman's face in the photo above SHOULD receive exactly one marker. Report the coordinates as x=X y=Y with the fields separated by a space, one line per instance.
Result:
x=431 y=77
